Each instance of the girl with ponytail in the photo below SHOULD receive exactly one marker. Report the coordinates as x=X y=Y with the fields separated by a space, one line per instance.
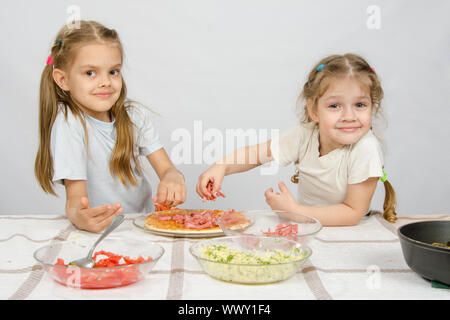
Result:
x=338 y=159
x=92 y=138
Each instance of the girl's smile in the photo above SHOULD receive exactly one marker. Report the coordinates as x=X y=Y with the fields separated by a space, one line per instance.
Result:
x=94 y=79
x=103 y=95
x=348 y=129
x=343 y=112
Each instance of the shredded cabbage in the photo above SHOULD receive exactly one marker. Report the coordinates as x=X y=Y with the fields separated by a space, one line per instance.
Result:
x=255 y=266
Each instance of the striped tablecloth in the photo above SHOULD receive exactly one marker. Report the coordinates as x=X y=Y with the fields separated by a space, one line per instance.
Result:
x=359 y=262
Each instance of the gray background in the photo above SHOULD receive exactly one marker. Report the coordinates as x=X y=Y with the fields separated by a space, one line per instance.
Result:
x=241 y=64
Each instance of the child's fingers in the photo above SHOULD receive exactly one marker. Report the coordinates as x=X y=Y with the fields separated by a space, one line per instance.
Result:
x=112 y=209
x=269 y=200
x=268 y=193
x=203 y=183
x=212 y=187
x=93 y=217
x=162 y=194
x=176 y=197
x=283 y=187
x=217 y=185
x=103 y=224
x=201 y=193
x=96 y=211
x=179 y=197
x=170 y=199
x=207 y=187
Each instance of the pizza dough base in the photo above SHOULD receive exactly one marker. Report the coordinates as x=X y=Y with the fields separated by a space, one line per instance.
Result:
x=206 y=230
x=216 y=229
x=191 y=231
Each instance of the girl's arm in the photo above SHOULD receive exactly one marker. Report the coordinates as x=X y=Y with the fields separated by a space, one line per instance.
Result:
x=171 y=189
x=81 y=215
x=243 y=159
x=348 y=213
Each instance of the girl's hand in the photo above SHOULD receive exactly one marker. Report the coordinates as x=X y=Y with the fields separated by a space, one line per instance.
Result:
x=284 y=201
x=92 y=219
x=171 y=189
x=213 y=175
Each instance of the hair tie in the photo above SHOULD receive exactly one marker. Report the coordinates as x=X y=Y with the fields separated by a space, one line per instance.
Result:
x=320 y=67
x=373 y=69
x=59 y=42
x=383 y=179
x=50 y=60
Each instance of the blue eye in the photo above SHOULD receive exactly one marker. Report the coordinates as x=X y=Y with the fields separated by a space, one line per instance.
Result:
x=333 y=106
x=360 y=105
x=114 y=72
x=90 y=73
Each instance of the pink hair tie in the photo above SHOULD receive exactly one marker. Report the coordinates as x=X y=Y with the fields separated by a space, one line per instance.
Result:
x=373 y=69
x=50 y=60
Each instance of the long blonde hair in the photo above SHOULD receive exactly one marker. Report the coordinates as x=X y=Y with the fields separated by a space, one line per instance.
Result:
x=63 y=51
x=319 y=79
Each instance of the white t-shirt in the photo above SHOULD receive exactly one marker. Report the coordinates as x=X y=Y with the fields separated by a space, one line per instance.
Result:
x=71 y=162
x=323 y=180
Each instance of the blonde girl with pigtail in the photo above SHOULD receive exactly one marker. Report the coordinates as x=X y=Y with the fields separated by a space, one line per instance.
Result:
x=91 y=137
x=338 y=159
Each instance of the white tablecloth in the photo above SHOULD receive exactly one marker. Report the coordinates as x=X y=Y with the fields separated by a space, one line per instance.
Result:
x=359 y=262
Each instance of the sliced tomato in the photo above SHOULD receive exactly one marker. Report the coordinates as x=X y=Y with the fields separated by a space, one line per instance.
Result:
x=60 y=262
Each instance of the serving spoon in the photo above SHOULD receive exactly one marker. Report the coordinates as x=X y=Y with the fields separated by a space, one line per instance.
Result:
x=88 y=262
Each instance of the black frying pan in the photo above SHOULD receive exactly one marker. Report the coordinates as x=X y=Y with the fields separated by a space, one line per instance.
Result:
x=429 y=261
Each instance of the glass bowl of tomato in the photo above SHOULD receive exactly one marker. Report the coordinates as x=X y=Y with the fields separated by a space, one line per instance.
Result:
x=118 y=262
x=270 y=223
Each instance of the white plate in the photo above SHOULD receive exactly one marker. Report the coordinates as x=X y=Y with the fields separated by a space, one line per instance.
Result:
x=140 y=223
